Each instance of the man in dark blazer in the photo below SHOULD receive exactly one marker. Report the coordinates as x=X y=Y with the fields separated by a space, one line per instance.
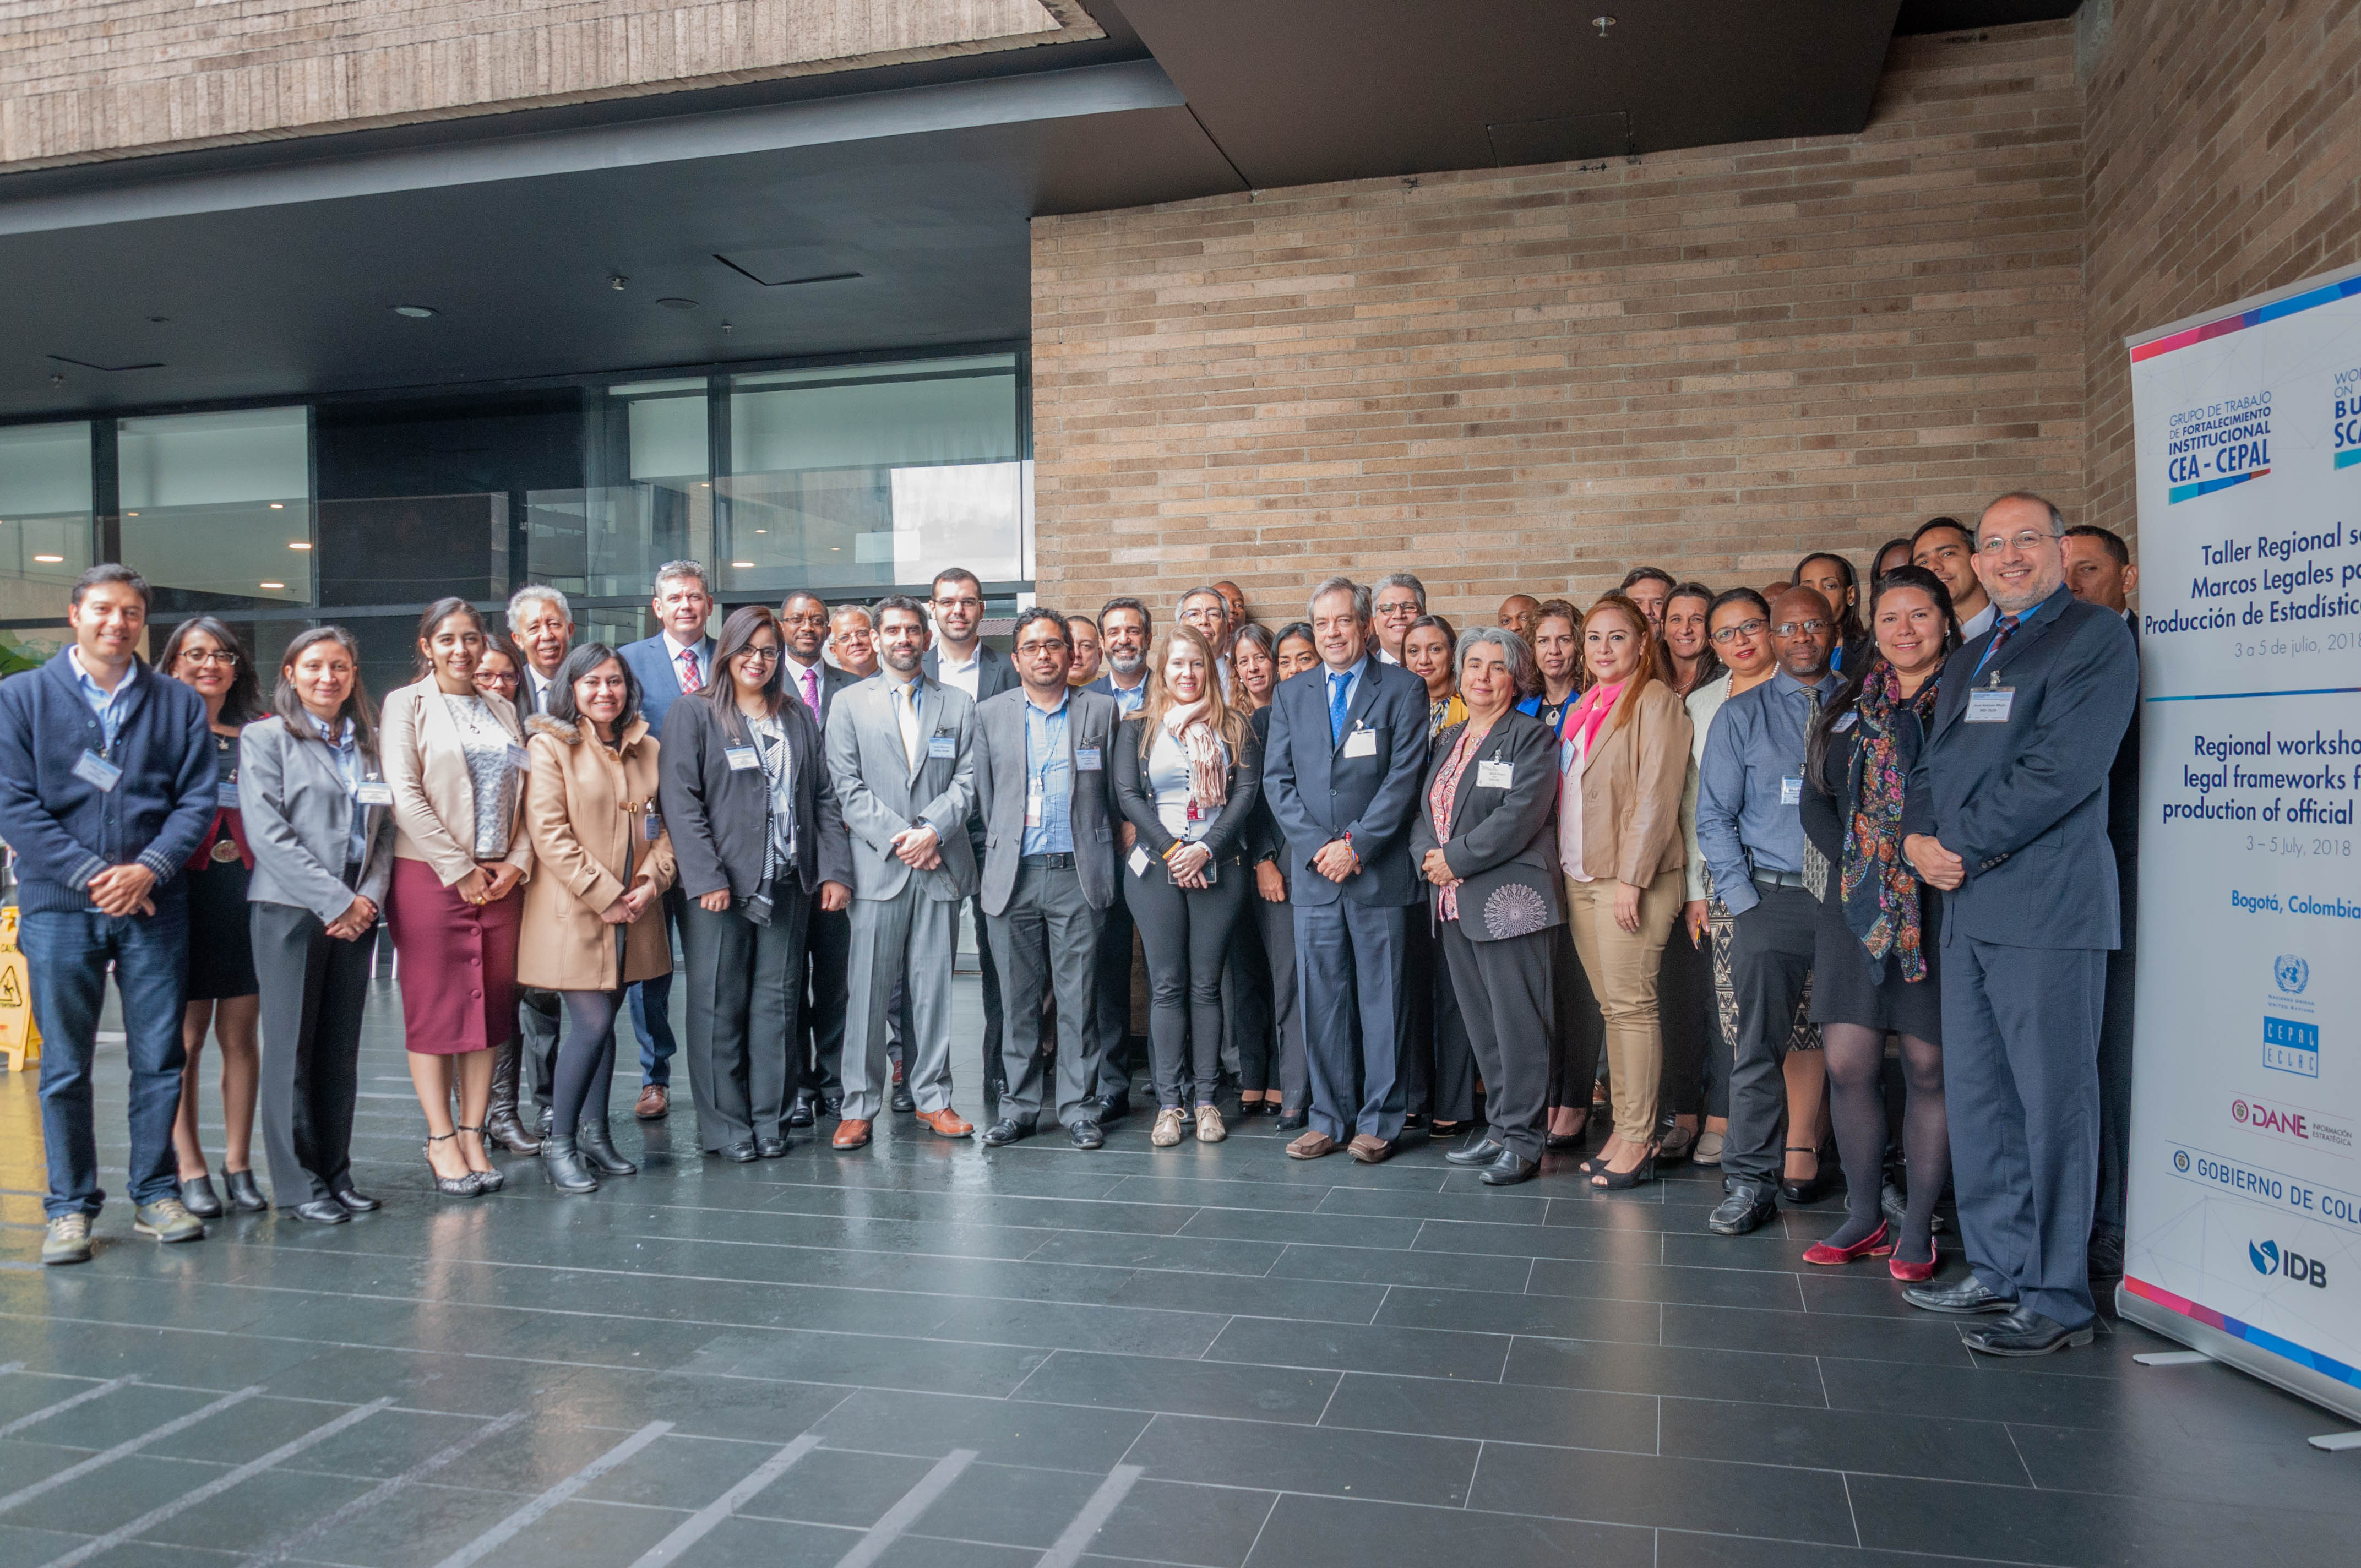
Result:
x=1127 y=630
x=1346 y=756
x=959 y=660
x=676 y=660
x=2007 y=813
x=827 y=938
x=1043 y=756
x=540 y=623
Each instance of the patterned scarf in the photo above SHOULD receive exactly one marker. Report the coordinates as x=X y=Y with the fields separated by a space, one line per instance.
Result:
x=1881 y=890
x=1209 y=781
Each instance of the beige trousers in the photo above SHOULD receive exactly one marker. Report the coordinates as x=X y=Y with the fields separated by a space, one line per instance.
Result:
x=1622 y=967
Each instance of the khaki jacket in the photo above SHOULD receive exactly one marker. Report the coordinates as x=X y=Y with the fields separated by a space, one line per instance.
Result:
x=434 y=794
x=587 y=808
x=1632 y=791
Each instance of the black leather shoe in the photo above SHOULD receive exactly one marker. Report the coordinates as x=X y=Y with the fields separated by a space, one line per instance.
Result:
x=358 y=1202
x=597 y=1146
x=800 y=1114
x=1414 y=1119
x=1115 y=1107
x=1963 y=1299
x=541 y=1127
x=2025 y=1332
x=1293 y=1121
x=832 y=1107
x=1745 y=1207
x=1483 y=1151
x=1509 y=1168
x=323 y=1211
x=1086 y=1134
x=771 y=1148
x=904 y=1103
x=742 y=1152
x=198 y=1198
x=1007 y=1130
x=243 y=1194
x=2106 y=1262
x=1812 y=1189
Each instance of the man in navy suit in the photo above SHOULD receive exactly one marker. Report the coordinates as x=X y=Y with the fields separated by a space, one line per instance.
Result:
x=828 y=945
x=2007 y=813
x=675 y=662
x=1346 y=756
x=1126 y=628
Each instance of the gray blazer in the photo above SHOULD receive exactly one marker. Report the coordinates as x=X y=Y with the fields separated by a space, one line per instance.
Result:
x=1001 y=780
x=880 y=795
x=299 y=822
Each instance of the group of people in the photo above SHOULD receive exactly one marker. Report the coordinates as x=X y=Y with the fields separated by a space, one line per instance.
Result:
x=1744 y=873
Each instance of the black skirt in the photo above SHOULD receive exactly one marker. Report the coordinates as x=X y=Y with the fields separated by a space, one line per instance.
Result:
x=1845 y=991
x=221 y=939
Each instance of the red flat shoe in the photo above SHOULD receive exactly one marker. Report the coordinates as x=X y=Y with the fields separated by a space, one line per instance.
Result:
x=1916 y=1273
x=1873 y=1244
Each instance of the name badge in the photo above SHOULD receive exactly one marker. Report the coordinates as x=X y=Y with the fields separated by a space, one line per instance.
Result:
x=1565 y=756
x=742 y=758
x=1791 y=792
x=1990 y=704
x=1361 y=743
x=519 y=757
x=98 y=772
x=651 y=825
x=941 y=746
x=1843 y=723
x=1493 y=774
x=1033 y=806
x=373 y=792
x=1086 y=760
x=225 y=795
x=1138 y=861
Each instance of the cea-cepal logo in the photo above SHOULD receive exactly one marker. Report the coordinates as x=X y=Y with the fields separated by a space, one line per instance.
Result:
x=2291 y=972
x=2286 y=1263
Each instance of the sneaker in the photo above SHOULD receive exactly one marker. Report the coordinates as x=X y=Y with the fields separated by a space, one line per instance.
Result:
x=1168 y=1128
x=1209 y=1124
x=168 y=1220
x=67 y=1240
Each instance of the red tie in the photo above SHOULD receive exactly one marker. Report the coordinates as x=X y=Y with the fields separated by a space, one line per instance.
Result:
x=689 y=681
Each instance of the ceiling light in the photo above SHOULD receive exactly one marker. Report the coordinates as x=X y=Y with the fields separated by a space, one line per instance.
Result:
x=131 y=514
x=677 y=304
x=274 y=584
x=279 y=506
x=51 y=560
x=743 y=565
x=762 y=531
x=415 y=312
x=299 y=544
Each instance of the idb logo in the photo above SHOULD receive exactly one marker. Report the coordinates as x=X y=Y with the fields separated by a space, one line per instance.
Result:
x=2292 y=973
x=2270 y=1258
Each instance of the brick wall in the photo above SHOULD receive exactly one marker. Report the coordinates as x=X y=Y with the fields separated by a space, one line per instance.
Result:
x=2225 y=161
x=89 y=79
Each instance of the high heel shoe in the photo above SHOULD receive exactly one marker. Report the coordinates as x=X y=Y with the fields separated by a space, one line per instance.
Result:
x=595 y=1144
x=1815 y=1187
x=1916 y=1273
x=243 y=1192
x=1573 y=1140
x=197 y=1196
x=489 y=1180
x=1878 y=1242
x=1623 y=1180
x=564 y=1163
x=450 y=1186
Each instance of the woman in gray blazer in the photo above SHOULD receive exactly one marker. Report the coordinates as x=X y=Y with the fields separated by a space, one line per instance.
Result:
x=1484 y=840
x=317 y=814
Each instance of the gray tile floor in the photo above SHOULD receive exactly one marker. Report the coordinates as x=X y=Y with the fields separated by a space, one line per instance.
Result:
x=930 y=1352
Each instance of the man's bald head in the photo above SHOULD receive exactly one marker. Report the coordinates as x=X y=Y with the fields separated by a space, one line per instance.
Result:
x=1803 y=630
x=1520 y=613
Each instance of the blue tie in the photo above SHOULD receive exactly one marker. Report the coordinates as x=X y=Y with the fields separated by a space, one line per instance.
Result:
x=1336 y=707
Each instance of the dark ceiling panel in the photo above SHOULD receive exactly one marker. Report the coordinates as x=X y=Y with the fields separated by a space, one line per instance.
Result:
x=1960 y=16
x=1299 y=92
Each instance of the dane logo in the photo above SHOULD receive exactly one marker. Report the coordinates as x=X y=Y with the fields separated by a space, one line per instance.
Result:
x=2291 y=972
x=2270 y=1258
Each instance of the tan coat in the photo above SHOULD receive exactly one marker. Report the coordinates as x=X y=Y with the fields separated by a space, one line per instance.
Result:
x=434 y=794
x=1632 y=791
x=585 y=808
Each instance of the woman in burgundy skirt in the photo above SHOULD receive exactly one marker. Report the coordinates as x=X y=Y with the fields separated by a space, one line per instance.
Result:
x=455 y=757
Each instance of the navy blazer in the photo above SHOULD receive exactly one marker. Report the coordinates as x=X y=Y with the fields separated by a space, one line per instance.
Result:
x=1318 y=795
x=650 y=659
x=2024 y=801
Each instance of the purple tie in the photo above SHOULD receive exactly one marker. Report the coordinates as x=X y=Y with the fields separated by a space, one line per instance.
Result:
x=811 y=691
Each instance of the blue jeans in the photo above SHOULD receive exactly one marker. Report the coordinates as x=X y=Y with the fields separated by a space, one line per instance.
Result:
x=652 y=1008
x=68 y=953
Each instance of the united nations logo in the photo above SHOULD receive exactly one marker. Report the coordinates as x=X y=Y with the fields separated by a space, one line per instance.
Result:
x=2180 y=1160
x=2292 y=973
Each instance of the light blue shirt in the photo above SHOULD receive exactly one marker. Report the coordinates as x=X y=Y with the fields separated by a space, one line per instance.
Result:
x=349 y=764
x=1753 y=761
x=1050 y=776
x=1127 y=703
x=2025 y=623
x=106 y=705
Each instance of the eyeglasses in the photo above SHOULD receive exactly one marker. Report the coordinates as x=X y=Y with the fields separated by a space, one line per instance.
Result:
x=960 y=603
x=1743 y=629
x=759 y=655
x=1801 y=627
x=804 y=620
x=1399 y=607
x=208 y=657
x=2025 y=539
x=1041 y=645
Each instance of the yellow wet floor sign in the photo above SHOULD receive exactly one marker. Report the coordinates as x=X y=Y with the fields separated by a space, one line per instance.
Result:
x=20 y=1041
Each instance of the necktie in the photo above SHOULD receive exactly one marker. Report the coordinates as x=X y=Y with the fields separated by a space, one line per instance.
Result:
x=2003 y=630
x=811 y=691
x=689 y=681
x=1337 y=706
x=906 y=697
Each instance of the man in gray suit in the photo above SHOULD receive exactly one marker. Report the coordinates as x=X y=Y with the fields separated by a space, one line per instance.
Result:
x=1048 y=872
x=901 y=753
x=2007 y=813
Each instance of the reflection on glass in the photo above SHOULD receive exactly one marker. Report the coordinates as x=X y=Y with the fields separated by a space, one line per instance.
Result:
x=215 y=504
x=649 y=498
x=405 y=549
x=45 y=516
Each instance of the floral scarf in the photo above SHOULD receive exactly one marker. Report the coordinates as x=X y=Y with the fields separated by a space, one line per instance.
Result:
x=1209 y=783
x=1879 y=889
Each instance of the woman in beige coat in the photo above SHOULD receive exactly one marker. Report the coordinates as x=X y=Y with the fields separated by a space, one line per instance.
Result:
x=1621 y=762
x=594 y=919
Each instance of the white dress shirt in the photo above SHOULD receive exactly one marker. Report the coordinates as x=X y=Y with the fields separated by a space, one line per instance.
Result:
x=807 y=680
x=680 y=652
x=1976 y=625
x=964 y=676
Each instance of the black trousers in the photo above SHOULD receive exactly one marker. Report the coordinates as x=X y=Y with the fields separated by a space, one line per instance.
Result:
x=827 y=959
x=745 y=992
x=1581 y=1027
x=1248 y=1048
x=1186 y=932
x=313 y=986
x=1114 y=1017
x=1770 y=964
x=2115 y=1061
x=541 y=1017
x=1438 y=1070
x=1511 y=1005
x=1685 y=1008
x=1289 y=1071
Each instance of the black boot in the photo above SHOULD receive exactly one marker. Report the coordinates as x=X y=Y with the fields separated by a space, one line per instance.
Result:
x=500 y=1122
x=591 y=1138
x=566 y=1171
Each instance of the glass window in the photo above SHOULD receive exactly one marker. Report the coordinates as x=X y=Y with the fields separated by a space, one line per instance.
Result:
x=45 y=517
x=217 y=506
x=868 y=476
x=647 y=500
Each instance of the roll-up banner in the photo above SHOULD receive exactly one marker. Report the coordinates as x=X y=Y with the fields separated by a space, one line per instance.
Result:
x=2245 y=1227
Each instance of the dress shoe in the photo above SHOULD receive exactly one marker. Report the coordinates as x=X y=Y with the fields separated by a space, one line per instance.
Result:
x=197 y=1196
x=1483 y=1151
x=1677 y=1145
x=2025 y=1332
x=1086 y=1134
x=1370 y=1149
x=358 y=1202
x=903 y=1102
x=853 y=1132
x=167 y=1219
x=1963 y=1299
x=771 y=1148
x=1895 y=1207
x=598 y=1145
x=243 y=1195
x=1414 y=1120
x=2106 y=1262
x=742 y=1152
x=323 y=1212
x=1008 y=1130
x=1166 y=1134
x=1708 y=1148
x=1744 y=1207
x=1313 y=1145
x=800 y=1114
x=562 y=1162
x=654 y=1104
x=1115 y=1107
x=1508 y=1170
x=1292 y=1121
x=946 y=1123
x=1811 y=1189
x=1209 y=1128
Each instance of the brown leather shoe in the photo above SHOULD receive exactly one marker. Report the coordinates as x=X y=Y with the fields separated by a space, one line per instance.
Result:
x=1370 y=1149
x=1313 y=1145
x=947 y=1123
x=656 y=1104
x=851 y=1134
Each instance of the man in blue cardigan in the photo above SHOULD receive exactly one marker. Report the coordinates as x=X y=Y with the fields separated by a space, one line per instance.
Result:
x=106 y=783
